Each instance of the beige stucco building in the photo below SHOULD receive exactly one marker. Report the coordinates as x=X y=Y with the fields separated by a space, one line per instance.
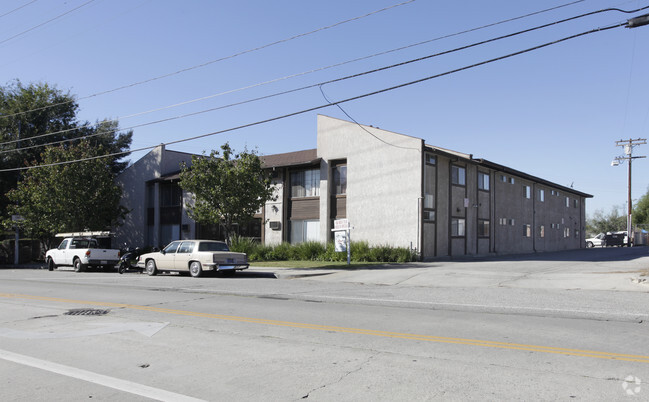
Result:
x=394 y=189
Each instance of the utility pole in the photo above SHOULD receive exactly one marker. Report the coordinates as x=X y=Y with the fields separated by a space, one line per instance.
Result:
x=628 y=152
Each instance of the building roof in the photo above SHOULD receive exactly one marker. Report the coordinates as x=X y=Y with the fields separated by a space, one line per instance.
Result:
x=298 y=158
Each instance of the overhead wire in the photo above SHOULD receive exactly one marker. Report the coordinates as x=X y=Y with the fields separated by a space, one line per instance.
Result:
x=329 y=104
x=213 y=61
x=321 y=68
x=17 y=8
x=320 y=84
x=46 y=22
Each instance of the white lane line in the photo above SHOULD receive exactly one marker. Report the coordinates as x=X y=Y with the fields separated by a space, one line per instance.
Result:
x=100 y=379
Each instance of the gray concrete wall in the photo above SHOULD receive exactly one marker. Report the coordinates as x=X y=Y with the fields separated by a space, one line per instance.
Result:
x=133 y=183
x=274 y=212
x=153 y=165
x=383 y=181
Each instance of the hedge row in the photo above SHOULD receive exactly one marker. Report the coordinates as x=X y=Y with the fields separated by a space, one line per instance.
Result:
x=314 y=251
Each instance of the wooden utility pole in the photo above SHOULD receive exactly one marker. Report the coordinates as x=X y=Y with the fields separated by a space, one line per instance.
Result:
x=628 y=152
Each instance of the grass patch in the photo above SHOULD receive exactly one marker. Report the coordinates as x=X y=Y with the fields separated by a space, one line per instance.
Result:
x=313 y=264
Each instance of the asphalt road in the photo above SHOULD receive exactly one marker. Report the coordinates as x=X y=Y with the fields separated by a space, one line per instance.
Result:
x=507 y=334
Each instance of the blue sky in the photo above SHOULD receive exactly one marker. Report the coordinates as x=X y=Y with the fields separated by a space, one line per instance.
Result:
x=554 y=113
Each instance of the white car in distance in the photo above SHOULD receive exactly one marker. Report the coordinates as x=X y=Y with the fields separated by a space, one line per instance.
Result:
x=597 y=241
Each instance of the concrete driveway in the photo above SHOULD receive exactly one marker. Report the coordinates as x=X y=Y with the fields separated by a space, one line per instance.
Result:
x=616 y=269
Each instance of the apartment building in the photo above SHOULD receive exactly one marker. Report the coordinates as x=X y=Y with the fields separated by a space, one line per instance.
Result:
x=394 y=189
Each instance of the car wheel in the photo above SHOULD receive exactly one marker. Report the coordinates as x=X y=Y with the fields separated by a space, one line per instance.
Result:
x=78 y=266
x=590 y=244
x=50 y=264
x=151 y=269
x=195 y=269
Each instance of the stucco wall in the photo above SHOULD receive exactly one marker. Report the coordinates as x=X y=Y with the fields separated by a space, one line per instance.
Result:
x=383 y=181
x=274 y=212
x=153 y=165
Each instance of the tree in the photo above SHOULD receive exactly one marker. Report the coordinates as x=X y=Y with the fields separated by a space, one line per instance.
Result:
x=37 y=114
x=227 y=190
x=641 y=210
x=603 y=223
x=68 y=197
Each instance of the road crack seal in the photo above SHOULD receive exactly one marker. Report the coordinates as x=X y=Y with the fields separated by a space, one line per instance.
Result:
x=342 y=377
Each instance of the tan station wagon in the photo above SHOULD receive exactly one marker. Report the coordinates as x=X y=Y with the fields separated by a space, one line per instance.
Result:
x=195 y=257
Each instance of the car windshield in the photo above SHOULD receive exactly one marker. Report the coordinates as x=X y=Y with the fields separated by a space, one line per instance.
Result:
x=212 y=246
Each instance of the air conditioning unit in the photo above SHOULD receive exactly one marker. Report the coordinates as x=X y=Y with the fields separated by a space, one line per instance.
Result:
x=275 y=225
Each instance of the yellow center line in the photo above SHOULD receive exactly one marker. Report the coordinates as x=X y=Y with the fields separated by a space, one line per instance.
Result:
x=370 y=332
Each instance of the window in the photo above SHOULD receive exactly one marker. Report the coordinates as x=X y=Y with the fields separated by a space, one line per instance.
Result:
x=303 y=231
x=457 y=227
x=305 y=183
x=429 y=192
x=483 y=228
x=210 y=246
x=63 y=244
x=483 y=181
x=186 y=247
x=542 y=231
x=512 y=222
x=527 y=192
x=458 y=175
x=566 y=232
x=430 y=159
x=172 y=247
x=511 y=180
x=542 y=195
x=340 y=179
x=567 y=202
x=503 y=178
x=527 y=231
x=170 y=195
x=575 y=203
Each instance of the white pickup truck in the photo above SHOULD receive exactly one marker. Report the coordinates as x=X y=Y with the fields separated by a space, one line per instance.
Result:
x=81 y=252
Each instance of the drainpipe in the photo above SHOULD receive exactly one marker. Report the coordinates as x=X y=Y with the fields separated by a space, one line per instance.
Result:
x=534 y=217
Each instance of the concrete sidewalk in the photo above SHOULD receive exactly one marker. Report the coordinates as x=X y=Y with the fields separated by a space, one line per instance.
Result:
x=613 y=269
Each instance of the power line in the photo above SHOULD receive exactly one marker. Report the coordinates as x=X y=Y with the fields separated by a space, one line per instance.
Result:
x=322 y=68
x=215 y=60
x=293 y=75
x=311 y=109
x=46 y=22
x=312 y=85
x=17 y=8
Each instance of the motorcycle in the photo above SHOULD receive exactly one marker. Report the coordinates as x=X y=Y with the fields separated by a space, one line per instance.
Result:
x=128 y=259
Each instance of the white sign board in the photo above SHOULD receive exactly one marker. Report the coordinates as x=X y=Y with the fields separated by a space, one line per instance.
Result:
x=340 y=241
x=341 y=224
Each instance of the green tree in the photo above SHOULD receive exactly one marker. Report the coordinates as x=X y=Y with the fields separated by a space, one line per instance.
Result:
x=37 y=114
x=641 y=210
x=227 y=190
x=68 y=196
x=603 y=223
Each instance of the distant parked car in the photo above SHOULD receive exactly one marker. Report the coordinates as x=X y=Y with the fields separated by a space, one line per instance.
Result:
x=597 y=241
x=195 y=257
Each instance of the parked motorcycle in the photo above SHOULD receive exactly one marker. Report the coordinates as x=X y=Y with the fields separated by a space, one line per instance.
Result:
x=128 y=259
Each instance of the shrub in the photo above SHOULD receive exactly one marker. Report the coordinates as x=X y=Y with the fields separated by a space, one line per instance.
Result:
x=309 y=251
x=242 y=244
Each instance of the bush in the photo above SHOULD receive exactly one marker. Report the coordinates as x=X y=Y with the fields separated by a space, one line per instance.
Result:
x=309 y=251
x=242 y=244
x=315 y=251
